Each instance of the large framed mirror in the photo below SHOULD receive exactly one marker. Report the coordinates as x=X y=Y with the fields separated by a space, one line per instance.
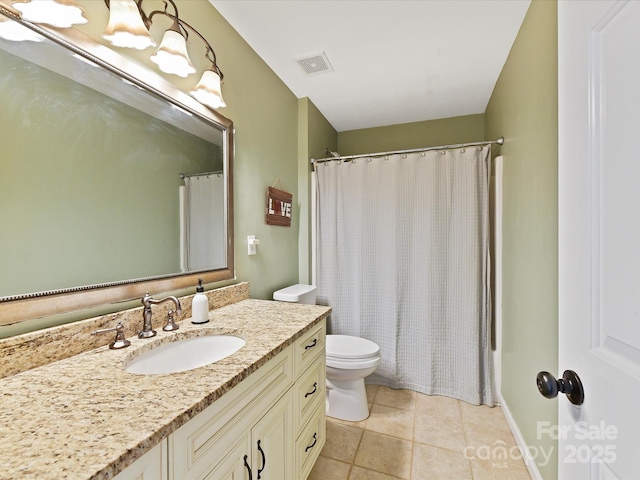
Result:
x=113 y=182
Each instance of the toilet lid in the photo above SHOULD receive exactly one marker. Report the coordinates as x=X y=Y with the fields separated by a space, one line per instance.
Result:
x=345 y=346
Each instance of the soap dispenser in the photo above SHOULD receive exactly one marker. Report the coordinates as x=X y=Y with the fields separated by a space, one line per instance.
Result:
x=200 y=305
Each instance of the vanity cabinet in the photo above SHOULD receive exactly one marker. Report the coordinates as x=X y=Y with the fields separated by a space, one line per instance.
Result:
x=151 y=466
x=309 y=397
x=271 y=426
x=262 y=453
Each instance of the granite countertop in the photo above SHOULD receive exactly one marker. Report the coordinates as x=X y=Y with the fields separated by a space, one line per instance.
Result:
x=85 y=417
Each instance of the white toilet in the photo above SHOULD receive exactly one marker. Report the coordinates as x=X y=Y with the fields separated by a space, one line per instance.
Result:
x=349 y=361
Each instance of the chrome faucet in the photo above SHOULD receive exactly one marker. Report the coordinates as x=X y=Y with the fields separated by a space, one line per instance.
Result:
x=147 y=301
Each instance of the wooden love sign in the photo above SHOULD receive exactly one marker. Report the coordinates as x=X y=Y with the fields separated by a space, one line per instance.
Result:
x=279 y=205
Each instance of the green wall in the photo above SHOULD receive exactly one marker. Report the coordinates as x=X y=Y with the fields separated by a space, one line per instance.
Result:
x=315 y=134
x=524 y=109
x=430 y=133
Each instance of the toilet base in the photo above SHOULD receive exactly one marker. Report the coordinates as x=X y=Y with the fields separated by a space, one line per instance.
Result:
x=347 y=400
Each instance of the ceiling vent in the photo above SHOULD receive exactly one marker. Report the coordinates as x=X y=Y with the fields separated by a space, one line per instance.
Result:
x=314 y=64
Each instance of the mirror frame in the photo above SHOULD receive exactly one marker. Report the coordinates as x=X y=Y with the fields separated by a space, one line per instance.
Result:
x=29 y=306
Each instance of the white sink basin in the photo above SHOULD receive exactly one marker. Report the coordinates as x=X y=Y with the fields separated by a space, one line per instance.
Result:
x=185 y=354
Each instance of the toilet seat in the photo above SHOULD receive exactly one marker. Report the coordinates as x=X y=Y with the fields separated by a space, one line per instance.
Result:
x=346 y=347
x=351 y=353
x=358 y=364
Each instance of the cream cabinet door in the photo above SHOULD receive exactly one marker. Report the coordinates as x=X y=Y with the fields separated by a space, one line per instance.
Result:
x=197 y=447
x=273 y=442
x=151 y=466
x=235 y=465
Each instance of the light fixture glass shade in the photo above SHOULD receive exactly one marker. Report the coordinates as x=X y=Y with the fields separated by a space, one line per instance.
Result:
x=171 y=56
x=126 y=28
x=57 y=13
x=208 y=91
x=13 y=31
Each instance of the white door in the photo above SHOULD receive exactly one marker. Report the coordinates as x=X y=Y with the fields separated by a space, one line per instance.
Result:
x=599 y=198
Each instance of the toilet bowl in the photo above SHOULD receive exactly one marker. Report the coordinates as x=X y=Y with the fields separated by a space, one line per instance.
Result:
x=349 y=360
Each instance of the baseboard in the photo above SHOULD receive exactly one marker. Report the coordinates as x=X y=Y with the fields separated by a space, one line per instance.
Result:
x=517 y=434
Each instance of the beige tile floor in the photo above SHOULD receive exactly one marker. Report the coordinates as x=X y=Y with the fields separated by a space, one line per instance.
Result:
x=414 y=437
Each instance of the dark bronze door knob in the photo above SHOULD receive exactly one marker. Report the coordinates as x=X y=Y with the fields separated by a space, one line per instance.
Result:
x=569 y=384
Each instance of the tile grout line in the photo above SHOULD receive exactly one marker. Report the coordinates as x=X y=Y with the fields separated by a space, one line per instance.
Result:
x=467 y=424
x=466 y=437
x=413 y=434
x=353 y=462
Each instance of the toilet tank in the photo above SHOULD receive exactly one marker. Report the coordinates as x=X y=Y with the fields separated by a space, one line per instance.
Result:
x=299 y=293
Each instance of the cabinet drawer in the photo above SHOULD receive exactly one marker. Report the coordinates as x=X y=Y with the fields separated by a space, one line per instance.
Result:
x=308 y=347
x=196 y=445
x=310 y=442
x=310 y=391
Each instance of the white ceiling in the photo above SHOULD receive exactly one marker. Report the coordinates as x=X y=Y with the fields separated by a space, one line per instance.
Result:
x=394 y=61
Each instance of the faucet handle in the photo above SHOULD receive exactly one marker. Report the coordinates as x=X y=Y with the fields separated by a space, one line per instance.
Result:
x=171 y=324
x=120 y=341
x=145 y=299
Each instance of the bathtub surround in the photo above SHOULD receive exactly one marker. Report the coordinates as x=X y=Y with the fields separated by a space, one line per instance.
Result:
x=403 y=259
x=35 y=349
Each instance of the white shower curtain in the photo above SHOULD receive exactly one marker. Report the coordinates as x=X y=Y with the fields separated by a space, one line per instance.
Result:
x=204 y=212
x=403 y=259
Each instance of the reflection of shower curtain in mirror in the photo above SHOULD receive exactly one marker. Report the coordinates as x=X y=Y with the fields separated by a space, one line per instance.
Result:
x=204 y=240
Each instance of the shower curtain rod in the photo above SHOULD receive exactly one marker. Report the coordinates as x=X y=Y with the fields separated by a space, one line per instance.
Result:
x=346 y=158
x=219 y=172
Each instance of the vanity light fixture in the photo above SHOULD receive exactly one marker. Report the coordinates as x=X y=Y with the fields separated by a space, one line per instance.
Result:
x=129 y=27
x=57 y=13
x=172 y=56
x=126 y=27
x=208 y=90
